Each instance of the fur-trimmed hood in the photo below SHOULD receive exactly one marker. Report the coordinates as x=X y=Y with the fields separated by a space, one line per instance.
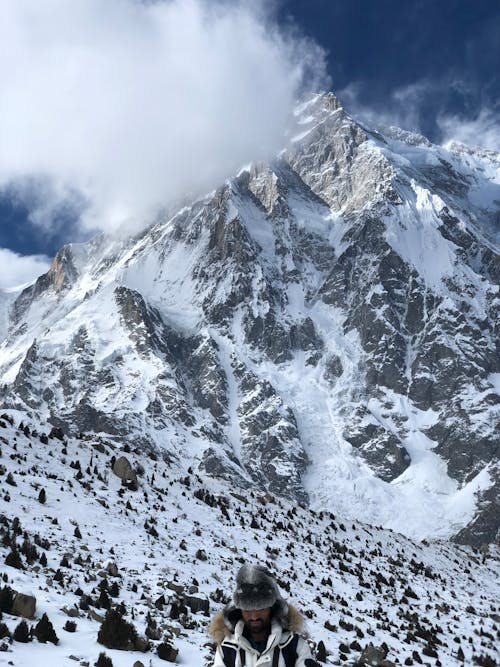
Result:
x=224 y=623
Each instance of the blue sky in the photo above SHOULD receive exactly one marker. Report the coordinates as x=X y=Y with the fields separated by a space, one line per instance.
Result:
x=84 y=154
x=416 y=61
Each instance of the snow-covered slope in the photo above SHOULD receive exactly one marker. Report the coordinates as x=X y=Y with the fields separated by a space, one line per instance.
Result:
x=176 y=541
x=324 y=327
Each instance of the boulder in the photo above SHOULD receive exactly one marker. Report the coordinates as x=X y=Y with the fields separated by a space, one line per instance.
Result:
x=72 y=612
x=372 y=656
x=197 y=604
x=167 y=652
x=24 y=605
x=177 y=588
x=173 y=630
x=141 y=644
x=95 y=616
x=112 y=569
x=123 y=469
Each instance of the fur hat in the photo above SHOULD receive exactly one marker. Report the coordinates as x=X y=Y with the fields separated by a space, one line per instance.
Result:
x=256 y=588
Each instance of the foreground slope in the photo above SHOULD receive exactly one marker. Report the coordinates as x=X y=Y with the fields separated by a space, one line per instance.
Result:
x=167 y=553
x=324 y=327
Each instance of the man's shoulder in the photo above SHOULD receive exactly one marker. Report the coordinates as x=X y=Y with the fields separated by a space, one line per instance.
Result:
x=218 y=629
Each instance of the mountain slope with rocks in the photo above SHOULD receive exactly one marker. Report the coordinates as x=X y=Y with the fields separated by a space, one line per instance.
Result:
x=323 y=327
x=93 y=531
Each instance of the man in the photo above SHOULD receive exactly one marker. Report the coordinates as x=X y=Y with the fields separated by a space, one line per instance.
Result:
x=259 y=627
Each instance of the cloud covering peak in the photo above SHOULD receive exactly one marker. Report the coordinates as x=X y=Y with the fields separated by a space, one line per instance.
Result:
x=134 y=105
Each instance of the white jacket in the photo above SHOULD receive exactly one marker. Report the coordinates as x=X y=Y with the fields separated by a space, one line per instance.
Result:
x=220 y=630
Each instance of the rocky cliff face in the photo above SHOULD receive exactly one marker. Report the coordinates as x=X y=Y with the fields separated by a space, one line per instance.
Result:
x=324 y=326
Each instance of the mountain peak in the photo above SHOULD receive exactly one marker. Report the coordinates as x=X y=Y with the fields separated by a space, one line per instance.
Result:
x=322 y=327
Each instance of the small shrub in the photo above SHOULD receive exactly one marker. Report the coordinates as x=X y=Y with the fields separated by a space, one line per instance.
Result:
x=85 y=601
x=152 y=631
x=4 y=631
x=174 y=611
x=21 y=633
x=29 y=551
x=114 y=590
x=44 y=631
x=103 y=661
x=103 y=601
x=10 y=480
x=167 y=652
x=70 y=626
x=115 y=632
x=484 y=660
x=321 y=652
x=42 y=496
x=6 y=599
x=14 y=559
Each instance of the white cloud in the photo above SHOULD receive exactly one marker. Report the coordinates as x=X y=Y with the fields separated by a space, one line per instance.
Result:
x=482 y=131
x=136 y=104
x=17 y=270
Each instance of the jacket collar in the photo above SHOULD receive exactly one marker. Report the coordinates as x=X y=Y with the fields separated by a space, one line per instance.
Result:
x=273 y=640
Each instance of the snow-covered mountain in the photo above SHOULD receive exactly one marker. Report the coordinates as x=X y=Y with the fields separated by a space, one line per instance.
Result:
x=323 y=327
x=86 y=525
